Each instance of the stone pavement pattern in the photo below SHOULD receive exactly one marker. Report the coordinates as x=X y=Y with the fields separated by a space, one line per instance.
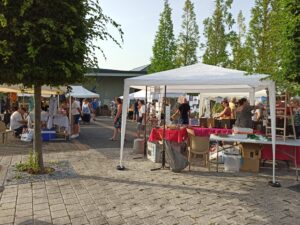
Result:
x=102 y=195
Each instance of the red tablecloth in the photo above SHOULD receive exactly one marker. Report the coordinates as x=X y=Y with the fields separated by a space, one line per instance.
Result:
x=266 y=153
x=176 y=135
x=206 y=132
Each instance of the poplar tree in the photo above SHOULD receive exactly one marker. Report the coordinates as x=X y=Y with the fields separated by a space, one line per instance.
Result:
x=260 y=39
x=239 y=51
x=285 y=32
x=217 y=39
x=188 y=40
x=164 y=48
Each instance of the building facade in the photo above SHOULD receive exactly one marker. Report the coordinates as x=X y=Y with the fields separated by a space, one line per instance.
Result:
x=110 y=83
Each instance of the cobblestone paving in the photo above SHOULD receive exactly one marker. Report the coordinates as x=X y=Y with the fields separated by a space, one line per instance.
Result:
x=103 y=195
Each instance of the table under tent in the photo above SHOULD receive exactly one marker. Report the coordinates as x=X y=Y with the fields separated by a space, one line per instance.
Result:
x=204 y=79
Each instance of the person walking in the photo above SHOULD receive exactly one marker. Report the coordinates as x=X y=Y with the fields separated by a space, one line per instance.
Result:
x=95 y=106
x=117 y=119
x=86 y=111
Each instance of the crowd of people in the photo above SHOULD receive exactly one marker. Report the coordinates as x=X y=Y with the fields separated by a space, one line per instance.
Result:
x=239 y=111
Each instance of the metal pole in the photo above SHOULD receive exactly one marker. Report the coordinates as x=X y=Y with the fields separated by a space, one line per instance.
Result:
x=163 y=161
x=145 y=130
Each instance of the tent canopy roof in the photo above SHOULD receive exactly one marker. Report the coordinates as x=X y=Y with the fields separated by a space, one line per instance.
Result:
x=202 y=78
x=81 y=92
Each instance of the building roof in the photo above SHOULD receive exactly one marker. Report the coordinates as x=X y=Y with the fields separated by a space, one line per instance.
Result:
x=96 y=72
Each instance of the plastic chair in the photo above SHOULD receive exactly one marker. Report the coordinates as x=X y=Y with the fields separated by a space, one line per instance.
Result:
x=197 y=146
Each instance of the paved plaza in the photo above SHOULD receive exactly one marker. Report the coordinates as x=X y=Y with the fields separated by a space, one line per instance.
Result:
x=100 y=194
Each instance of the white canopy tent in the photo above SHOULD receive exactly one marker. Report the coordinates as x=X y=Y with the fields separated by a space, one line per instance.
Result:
x=202 y=78
x=81 y=92
x=142 y=95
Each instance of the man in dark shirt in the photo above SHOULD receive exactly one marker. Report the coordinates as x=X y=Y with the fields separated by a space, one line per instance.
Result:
x=184 y=110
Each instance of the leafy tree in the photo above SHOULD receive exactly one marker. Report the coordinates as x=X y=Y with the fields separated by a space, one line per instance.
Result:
x=164 y=48
x=217 y=39
x=49 y=43
x=260 y=39
x=188 y=39
x=240 y=53
x=285 y=33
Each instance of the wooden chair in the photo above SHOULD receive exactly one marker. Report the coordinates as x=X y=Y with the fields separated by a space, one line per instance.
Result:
x=4 y=132
x=197 y=146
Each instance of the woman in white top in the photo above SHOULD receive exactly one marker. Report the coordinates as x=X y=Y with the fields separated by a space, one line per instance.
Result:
x=86 y=111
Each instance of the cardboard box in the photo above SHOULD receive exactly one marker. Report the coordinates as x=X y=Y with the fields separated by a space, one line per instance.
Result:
x=203 y=122
x=251 y=151
x=210 y=122
x=250 y=165
x=153 y=152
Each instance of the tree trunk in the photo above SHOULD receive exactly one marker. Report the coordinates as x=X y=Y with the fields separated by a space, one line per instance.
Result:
x=37 y=126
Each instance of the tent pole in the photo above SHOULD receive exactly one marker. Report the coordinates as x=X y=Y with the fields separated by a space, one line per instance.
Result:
x=145 y=130
x=123 y=125
x=163 y=160
x=272 y=101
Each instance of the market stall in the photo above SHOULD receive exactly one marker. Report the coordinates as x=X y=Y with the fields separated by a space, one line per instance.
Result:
x=202 y=78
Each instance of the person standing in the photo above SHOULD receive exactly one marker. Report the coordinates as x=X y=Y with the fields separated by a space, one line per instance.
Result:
x=141 y=117
x=184 y=112
x=17 y=121
x=76 y=112
x=136 y=110
x=117 y=119
x=95 y=106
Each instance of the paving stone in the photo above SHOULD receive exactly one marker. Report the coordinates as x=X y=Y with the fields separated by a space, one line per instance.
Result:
x=62 y=220
x=102 y=195
x=79 y=220
x=7 y=219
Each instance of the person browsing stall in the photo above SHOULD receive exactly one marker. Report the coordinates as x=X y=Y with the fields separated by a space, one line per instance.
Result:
x=141 y=118
x=244 y=113
x=76 y=112
x=184 y=112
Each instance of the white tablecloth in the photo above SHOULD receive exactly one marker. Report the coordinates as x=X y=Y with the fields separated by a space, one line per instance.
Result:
x=61 y=120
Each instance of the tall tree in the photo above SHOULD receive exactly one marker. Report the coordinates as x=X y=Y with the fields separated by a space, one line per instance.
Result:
x=217 y=39
x=49 y=43
x=239 y=51
x=259 y=38
x=285 y=33
x=164 y=48
x=188 y=39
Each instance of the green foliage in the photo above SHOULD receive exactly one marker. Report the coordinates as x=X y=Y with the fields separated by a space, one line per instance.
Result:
x=259 y=38
x=164 y=48
x=31 y=164
x=217 y=39
x=50 y=42
x=285 y=31
x=240 y=53
x=188 y=39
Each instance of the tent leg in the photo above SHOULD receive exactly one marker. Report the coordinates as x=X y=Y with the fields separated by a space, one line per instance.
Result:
x=272 y=100
x=163 y=160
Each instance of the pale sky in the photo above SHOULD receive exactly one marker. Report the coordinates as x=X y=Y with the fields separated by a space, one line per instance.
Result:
x=140 y=19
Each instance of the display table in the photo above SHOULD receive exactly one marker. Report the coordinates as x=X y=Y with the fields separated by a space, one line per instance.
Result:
x=61 y=120
x=176 y=135
x=289 y=145
x=206 y=132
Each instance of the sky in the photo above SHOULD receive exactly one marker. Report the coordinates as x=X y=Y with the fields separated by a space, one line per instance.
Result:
x=140 y=20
